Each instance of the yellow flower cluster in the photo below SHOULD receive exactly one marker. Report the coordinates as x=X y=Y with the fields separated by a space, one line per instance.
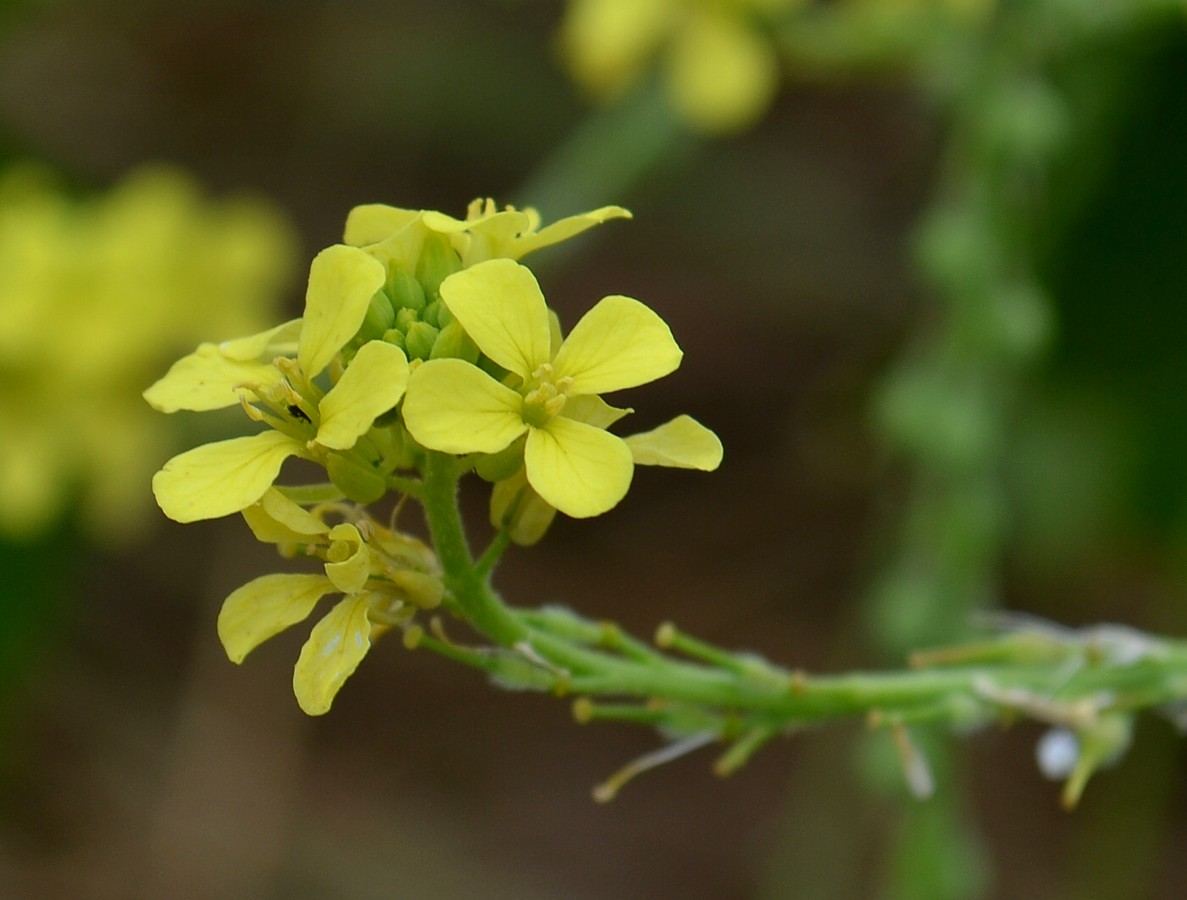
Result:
x=421 y=333
x=383 y=575
x=721 y=70
x=719 y=61
x=93 y=295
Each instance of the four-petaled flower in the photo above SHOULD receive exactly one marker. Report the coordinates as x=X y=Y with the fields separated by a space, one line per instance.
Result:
x=224 y=477
x=570 y=460
x=385 y=578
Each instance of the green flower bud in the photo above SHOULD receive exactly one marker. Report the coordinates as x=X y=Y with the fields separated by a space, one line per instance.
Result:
x=437 y=262
x=394 y=336
x=358 y=482
x=454 y=342
x=406 y=318
x=422 y=589
x=419 y=340
x=502 y=465
x=431 y=314
x=405 y=290
x=380 y=317
x=519 y=510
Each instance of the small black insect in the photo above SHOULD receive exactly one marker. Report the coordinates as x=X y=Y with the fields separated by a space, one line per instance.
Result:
x=297 y=413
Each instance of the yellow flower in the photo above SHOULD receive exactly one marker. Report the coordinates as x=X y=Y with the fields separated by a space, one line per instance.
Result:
x=95 y=293
x=721 y=71
x=487 y=232
x=371 y=305
x=682 y=443
x=224 y=477
x=383 y=575
x=575 y=466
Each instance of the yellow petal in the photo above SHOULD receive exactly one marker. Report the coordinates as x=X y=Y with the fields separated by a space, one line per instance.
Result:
x=564 y=229
x=500 y=305
x=375 y=222
x=403 y=248
x=683 y=443
x=618 y=344
x=722 y=74
x=278 y=341
x=495 y=236
x=342 y=281
x=581 y=470
x=206 y=379
x=221 y=478
x=349 y=574
x=593 y=410
x=372 y=384
x=334 y=650
x=265 y=607
x=276 y=519
x=455 y=407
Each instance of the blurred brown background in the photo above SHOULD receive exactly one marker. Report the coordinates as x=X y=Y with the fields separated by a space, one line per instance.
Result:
x=137 y=762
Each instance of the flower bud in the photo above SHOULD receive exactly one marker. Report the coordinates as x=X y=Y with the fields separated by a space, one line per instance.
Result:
x=437 y=262
x=517 y=509
x=430 y=313
x=406 y=318
x=380 y=317
x=419 y=340
x=396 y=337
x=359 y=482
x=501 y=466
x=422 y=589
x=454 y=342
x=405 y=291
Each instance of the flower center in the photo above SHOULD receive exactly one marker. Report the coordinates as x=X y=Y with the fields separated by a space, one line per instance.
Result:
x=546 y=395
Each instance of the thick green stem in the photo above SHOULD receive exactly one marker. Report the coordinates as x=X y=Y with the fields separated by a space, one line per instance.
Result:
x=465 y=581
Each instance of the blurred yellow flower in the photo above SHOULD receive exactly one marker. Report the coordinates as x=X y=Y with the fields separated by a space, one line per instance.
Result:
x=94 y=294
x=721 y=71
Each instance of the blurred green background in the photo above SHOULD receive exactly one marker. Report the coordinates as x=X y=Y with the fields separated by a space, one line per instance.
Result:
x=135 y=761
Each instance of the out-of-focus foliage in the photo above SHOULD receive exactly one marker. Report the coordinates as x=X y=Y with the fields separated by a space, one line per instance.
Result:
x=95 y=295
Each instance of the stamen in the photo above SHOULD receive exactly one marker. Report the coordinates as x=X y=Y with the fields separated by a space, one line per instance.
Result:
x=608 y=789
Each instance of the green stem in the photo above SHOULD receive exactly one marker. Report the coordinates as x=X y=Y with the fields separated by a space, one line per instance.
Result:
x=493 y=553
x=466 y=581
x=611 y=151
